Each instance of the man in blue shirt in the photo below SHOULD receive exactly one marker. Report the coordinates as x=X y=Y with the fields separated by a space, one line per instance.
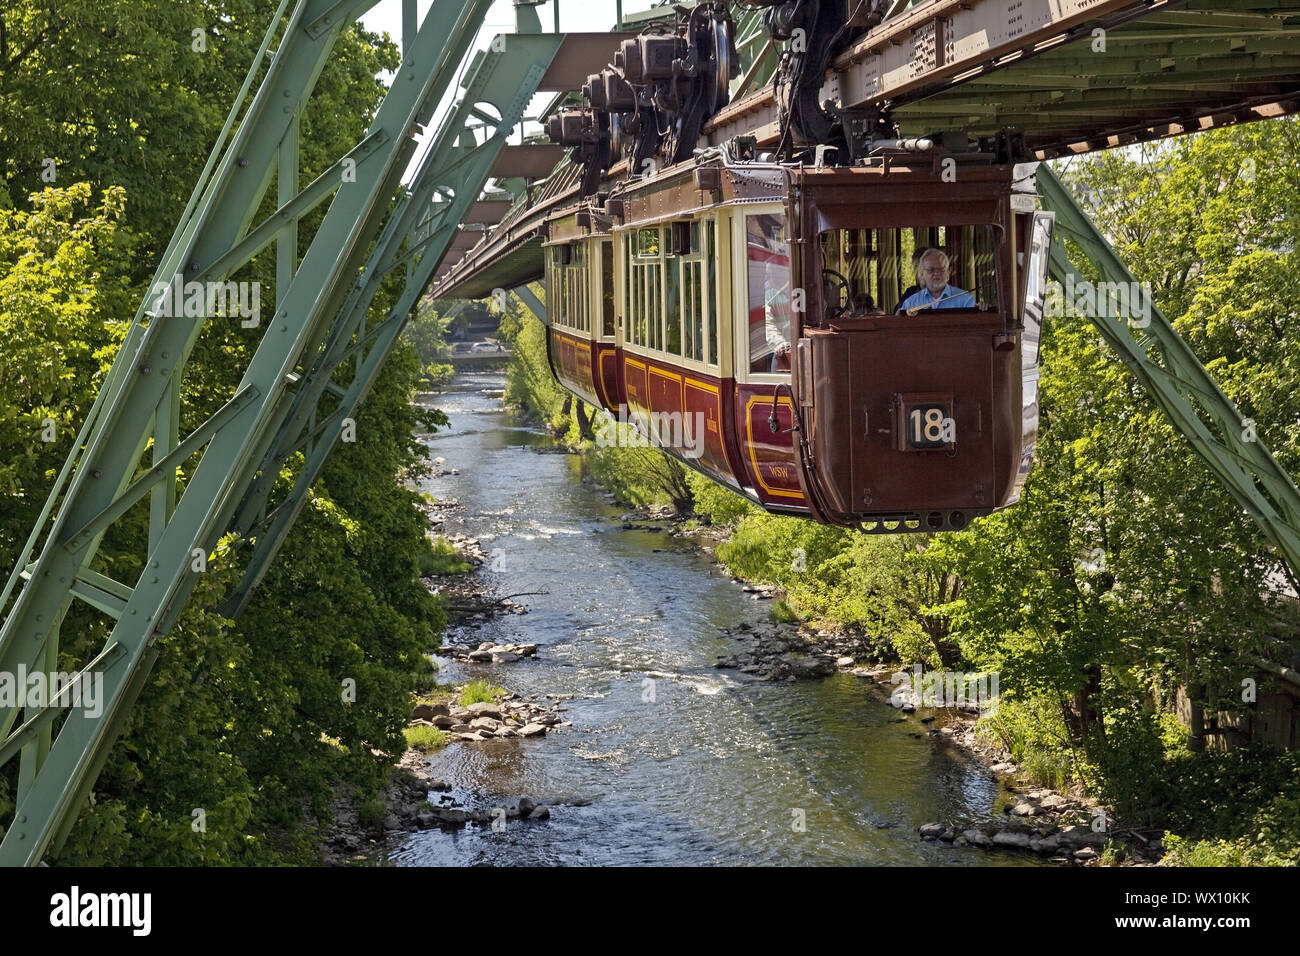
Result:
x=935 y=292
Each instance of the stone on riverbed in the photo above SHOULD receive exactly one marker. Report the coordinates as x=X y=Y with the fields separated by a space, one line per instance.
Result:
x=429 y=711
x=540 y=813
x=485 y=709
x=1019 y=841
x=1048 y=844
x=1075 y=837
x=532 y=730
x=808 y=667
x=977 y=838
x=485 y=723
x=443 y=722
x=932 y=831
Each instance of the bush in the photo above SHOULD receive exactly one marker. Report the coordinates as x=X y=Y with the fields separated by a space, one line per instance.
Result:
x=1035 y=735
x=719 y=504
x=479 y=692
x=424 y=739
x=1181 y=852
x=371 y=813
x=443 y=559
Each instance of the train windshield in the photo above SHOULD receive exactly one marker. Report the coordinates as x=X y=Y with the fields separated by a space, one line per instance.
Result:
x=912 y=270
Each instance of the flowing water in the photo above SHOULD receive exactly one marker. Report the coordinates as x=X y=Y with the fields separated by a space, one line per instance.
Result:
x=668 y=761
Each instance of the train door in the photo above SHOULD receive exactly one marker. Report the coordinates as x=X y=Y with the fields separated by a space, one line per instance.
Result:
x=765 y=301
x=608 y=381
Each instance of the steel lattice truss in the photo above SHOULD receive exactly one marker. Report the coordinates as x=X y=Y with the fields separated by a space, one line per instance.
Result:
x=1167 y=67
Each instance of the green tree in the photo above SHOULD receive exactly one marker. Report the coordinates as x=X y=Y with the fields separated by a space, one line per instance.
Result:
x=247 y=723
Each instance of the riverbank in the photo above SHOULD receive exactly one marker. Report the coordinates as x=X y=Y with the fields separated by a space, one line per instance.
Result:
x=670 y=759
x=1055 y=826
x=777 y=650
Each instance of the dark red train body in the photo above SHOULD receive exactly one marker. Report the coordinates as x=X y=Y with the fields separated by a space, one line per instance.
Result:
x=744 y=316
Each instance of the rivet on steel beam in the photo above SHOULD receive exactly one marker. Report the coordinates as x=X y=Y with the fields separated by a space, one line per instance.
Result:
x=242 y=163
x=145 y=369
x=96 y=473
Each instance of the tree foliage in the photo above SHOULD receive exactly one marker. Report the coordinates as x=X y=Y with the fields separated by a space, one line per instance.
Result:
x=244 y=726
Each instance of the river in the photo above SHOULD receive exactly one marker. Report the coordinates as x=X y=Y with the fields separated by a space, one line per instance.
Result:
x=668 y=761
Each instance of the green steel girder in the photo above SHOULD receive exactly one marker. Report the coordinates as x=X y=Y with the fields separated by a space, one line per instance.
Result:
x=506 y=79
x=530 y=301
x=1179 y=384
x=140 y=398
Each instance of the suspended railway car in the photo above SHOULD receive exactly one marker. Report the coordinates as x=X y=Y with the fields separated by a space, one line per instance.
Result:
x=846 y=328
x=748 y=314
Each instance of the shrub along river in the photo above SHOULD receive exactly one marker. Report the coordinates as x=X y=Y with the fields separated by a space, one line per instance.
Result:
x=668 y=760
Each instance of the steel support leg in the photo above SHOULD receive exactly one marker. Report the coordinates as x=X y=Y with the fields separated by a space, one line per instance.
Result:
x=1179 y=384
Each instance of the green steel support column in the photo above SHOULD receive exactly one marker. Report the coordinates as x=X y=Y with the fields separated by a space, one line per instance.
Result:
x=136 y=402
x=350 y=316
x=531 y=302
x=758 y=53
x=286 y=183
x=1180 y=385
x=424 y=229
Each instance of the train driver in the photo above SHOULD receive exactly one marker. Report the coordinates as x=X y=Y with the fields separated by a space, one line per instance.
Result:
x=935 y=292
x=776 y=317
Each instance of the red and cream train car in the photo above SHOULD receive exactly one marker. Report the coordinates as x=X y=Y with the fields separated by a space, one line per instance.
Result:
x=747 y=313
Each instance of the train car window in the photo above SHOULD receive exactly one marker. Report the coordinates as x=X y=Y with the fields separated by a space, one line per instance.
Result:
x=767 y=257
x=672 y=342
x=711 y=294
x=1040 y=251
x=573 y=286
x=562 y=314
x=923 y=268
x=692 y=294
x=644 y=265
x=607 y=288
x=693 y=314
x=582 y=283
x=653 y=307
